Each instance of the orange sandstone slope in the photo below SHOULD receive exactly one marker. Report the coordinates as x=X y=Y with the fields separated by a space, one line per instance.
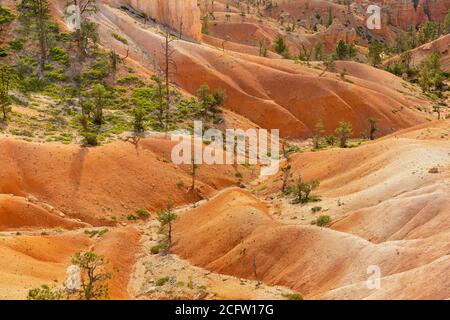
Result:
x=315 y=261
x=34 y=260
x=273 y=93
x=395 y=216
x=31 y=261
x=96 y=184
x=17 y=213
x=378 y=170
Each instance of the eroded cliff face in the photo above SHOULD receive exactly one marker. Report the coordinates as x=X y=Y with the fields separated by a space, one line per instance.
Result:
x=404 y=13
x=181 y=15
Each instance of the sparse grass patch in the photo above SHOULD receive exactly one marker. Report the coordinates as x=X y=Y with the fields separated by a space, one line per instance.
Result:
x=99 y=232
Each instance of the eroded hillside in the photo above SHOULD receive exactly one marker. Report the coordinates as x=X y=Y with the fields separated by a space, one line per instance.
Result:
x=86 y=162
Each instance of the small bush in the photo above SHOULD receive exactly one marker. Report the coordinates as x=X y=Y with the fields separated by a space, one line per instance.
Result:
x=45 y=293
x=162 y=281
x=118 y=37
x=57 y=75
x=293 y=296
x=3 y=53
x=316 y=209
x=90 y=138
x=157 y=248
x=60 y=55
x=17 y=44
x=323 y=221
x=330 y=140
x=131 y=217
x=93 y=233
x=131 y=80
x=144 y=214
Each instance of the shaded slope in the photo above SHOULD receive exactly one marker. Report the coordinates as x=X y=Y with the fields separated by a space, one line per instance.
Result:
x=95 y=184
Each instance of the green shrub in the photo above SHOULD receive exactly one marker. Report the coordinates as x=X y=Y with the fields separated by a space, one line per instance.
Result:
x=131 y=217
x=60 y=55
x=6 y=16
x=63 y=37
x=100 y=69
x=3 y=53
x=293 y=296
x=99 y=232
x=316 y=209
x=323 y=221
x=33 y=84
x=157 y=248
x=45 y=293
x=90 y=138
x=17 y=44
x=131 y=80
x=162 y=281
x=144 y=214
x=330 y=140
x=57 y=75
x=118 y=37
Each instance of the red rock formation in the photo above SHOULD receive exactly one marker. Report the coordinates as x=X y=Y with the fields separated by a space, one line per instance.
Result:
x=181 y=15
x=404 y=13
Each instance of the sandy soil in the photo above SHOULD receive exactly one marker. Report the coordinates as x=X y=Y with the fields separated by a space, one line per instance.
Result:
x=403 y=232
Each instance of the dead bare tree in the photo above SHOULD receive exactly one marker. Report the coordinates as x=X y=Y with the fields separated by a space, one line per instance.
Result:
x=170 y=68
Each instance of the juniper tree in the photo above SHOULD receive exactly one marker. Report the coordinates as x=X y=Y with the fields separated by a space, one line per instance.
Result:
x=341 y=50
x=210 y=101
x=319 y=130
x=87 y=31
x=302 y=190
x=280 y=46
x=36 y=16
x=430 y=74
x=344 y=131
x=6 y=83
x=6 y=17
x=166 y=218
x=374 y=55
x=93 y=275
x=100 y=98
